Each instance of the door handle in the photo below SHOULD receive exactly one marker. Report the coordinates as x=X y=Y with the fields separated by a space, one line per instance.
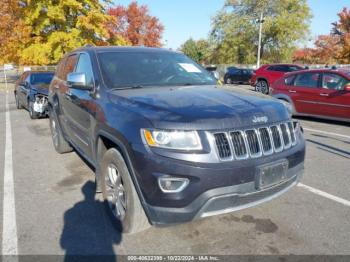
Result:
x=322 y=94
x=292 y=91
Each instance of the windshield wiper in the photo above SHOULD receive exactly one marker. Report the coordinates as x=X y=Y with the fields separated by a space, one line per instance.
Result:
x=127 y=87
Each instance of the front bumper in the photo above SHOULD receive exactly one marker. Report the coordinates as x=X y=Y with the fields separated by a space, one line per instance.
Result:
x=213 y=188
x=224 y=200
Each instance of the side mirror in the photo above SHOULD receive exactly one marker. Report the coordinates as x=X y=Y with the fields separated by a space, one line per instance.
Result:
x=77 y=81
x=347 y=87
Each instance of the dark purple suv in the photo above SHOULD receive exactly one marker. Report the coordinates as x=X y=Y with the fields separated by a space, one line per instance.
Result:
x=168 y=145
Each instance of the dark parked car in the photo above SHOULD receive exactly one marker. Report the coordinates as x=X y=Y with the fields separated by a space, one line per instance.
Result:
x=238 y=75
x=31 y=91
x=167 y=145
x=323 y=93
x=263 y=78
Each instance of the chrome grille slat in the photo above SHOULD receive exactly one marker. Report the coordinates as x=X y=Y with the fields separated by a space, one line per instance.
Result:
x=255 y=142
x=223 y=146
x=285 y=135
x=266 y=141
x=239 y=145
x=292 y=133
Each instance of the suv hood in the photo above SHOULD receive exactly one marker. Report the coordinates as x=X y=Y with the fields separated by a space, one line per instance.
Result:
x=200 y=107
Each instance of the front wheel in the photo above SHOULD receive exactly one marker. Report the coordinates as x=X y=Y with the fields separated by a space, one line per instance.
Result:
x=229 y=81
x=262 y=86
x=119 y=194
x=59 y=142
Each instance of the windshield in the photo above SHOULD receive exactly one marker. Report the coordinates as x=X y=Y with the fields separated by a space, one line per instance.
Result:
x=44 y=78
x=130 y=69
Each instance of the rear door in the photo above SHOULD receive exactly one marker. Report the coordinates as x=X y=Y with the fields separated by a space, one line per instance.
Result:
x=305 y=92
x=333 y=100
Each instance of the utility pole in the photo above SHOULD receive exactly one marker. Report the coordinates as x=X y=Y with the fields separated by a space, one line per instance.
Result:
x=260 y=21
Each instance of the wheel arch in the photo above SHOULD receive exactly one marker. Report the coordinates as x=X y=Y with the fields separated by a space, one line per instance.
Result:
x=105 y=141
x=260 y=78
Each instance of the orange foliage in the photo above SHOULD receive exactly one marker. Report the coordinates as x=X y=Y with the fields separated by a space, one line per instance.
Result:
x=136 y=25
x=341 y=30
x=330 y=49
x=14 y=34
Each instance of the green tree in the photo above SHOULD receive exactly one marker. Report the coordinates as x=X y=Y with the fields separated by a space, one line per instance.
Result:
x=199 y=51
x=235 y=30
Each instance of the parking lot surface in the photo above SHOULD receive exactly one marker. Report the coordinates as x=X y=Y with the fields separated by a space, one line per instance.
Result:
x=57 y=212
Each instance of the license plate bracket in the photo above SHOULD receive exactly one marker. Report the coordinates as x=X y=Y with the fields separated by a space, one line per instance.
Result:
x=271 y=174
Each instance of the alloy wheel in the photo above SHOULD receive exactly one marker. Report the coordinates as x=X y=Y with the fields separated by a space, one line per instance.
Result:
x=116 y=195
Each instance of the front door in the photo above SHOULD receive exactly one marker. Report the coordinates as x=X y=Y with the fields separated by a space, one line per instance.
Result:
x=333 y=100
x=80 y=105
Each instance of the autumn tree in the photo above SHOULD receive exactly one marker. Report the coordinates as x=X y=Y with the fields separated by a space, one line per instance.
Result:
x=341 y=31
x=14 y=34
x=332 y=48
x=136 y=25
x=235 y=30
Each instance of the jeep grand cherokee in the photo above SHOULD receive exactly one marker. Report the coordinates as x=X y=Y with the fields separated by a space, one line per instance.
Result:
x=167 y=144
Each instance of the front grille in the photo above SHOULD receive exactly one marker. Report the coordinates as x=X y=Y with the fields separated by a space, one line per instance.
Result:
x=254 y=143
x=223 y=145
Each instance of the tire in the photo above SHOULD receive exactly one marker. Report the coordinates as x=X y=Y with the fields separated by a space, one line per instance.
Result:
x=262 y=86
x=32 y=114
x=228 y=81
x=18 y=104
x=59 y=142
x=126 y=209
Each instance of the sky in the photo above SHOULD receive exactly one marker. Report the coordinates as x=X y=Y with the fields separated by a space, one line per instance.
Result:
x=183 y=19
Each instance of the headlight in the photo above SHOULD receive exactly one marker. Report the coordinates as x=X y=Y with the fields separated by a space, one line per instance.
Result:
x=180 y=140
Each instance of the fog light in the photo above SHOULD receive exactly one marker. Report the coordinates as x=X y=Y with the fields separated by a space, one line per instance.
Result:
x=172 y=184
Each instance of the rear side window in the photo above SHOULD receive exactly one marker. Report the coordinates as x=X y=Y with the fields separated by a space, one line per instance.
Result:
x=289 y=81
x=293 y=68
x=69 y=66
x=333 y=81
x=271 y=68
x=307 y=80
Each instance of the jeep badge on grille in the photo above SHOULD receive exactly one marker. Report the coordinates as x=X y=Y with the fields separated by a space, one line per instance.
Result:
x=260 y=119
